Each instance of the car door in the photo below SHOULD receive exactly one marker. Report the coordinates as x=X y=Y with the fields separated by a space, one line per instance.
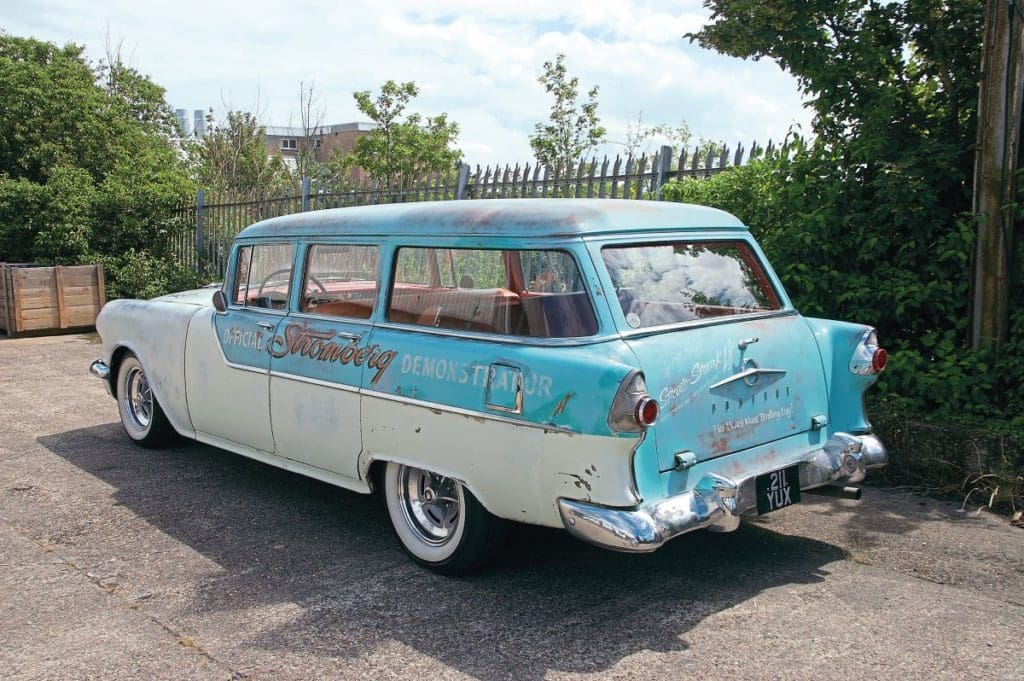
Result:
x=228 y=371
x=319 y=354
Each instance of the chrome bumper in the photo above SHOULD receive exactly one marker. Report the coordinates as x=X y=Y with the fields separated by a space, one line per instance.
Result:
x=715 y=502
x=99 y=369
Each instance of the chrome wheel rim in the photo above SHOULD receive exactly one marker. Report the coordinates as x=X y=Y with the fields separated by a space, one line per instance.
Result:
x=431 y=503
x=138 y=398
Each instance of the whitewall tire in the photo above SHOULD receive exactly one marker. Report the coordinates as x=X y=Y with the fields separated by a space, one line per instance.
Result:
x=143 y=419
x=439 y=522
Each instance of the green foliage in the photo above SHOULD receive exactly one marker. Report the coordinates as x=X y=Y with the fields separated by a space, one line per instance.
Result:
x=871 y=222
x=138 y=274
x=403 y=146
x=233 y=159
x=573 y=128
x=87 y=169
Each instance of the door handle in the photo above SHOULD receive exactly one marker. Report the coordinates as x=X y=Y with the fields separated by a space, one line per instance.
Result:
x=266 y=325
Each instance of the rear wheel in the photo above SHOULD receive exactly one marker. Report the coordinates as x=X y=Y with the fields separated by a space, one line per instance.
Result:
x=439 y=522
x=141 y=415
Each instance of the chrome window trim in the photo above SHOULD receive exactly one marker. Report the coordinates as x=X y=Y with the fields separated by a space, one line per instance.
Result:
x=499 y=338
x=361 y=321
x=700 y=323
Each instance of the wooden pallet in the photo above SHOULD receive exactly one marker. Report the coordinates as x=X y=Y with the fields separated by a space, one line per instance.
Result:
x=37 y=299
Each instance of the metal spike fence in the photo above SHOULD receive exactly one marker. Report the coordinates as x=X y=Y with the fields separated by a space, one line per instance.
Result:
x=212 y=222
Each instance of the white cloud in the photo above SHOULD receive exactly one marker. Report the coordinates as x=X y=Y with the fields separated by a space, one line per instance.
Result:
x=477 y=62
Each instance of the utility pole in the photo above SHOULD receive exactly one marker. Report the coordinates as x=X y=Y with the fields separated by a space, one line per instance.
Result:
x=997 y=158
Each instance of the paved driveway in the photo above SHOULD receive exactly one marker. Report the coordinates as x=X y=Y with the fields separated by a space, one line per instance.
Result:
x=195 y=563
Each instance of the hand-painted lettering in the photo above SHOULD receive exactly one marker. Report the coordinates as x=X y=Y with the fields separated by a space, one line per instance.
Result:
x=299 y=339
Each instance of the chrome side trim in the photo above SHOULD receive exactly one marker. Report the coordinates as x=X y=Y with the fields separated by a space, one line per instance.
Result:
x=715 y=502
x=314 y=381
x=467 y=412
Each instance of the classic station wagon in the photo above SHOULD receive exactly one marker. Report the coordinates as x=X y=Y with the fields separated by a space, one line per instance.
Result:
x=630 y=371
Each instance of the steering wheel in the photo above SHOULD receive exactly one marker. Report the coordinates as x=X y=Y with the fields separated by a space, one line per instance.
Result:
x=266 y=280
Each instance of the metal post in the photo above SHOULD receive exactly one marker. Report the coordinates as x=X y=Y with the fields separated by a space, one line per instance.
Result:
x=462 y=182
x=305 y=194
x=200 y=215
x=664 y=159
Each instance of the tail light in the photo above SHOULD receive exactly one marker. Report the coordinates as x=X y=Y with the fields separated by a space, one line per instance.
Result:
x=646 y=414
x=868 y=358
x=633 y=409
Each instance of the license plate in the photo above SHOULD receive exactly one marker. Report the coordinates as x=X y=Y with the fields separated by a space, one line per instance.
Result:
x=777 y=489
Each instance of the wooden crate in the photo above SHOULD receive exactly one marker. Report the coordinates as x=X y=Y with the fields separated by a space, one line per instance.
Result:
x=37 y=299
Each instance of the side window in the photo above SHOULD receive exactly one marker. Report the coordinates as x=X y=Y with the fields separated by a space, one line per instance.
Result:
x=416 y=266
x=340 y=280
x=263 y=276
x=551 y=272
x=480 y=290
x=242 y=275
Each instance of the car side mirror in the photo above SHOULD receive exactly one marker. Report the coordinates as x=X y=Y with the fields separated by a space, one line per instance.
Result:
x=220 y=301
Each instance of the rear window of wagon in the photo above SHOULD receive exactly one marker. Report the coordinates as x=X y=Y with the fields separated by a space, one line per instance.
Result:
x=675 y=282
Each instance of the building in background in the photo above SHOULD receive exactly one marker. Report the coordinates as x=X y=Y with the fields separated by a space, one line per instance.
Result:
x=194 y=127
x=199 y=123
x=287 y=140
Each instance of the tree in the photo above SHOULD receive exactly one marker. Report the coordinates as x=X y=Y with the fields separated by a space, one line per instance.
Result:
x=640 y=137
x=233 y=158
x=403 y=146
x=311 y=118
x=87 y=171
x=574 y=127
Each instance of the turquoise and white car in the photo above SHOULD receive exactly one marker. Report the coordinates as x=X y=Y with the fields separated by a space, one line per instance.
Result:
x=627 y=370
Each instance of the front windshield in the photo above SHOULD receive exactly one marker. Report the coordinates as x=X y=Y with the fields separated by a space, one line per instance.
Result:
x=669 y=283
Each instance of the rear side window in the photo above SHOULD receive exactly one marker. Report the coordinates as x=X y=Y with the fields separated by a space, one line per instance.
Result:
x=340 y=280
x=658 y=284
x=263 y=276
x=535 y=293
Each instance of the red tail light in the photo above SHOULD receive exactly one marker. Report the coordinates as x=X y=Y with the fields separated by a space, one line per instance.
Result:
x=647 y=411
x=633 y=409
x=868 y=358
x=879 y=359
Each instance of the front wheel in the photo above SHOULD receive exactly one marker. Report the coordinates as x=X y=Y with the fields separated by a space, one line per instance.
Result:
x=439 y=522
x=141 y=415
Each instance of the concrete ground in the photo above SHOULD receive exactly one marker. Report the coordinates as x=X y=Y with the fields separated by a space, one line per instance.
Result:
x=117 y=562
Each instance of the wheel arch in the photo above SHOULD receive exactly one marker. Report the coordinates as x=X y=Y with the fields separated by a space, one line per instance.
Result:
x=117 y=357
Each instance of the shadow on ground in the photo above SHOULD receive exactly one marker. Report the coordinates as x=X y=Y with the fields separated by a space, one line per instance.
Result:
x=549 y=603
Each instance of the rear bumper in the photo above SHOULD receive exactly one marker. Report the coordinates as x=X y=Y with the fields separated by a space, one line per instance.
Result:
x=715 y=502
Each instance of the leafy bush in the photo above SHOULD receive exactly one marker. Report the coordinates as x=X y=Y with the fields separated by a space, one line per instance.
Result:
x=87 y=169
x=137 y=274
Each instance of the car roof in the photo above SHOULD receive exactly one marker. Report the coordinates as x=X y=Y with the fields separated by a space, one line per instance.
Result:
x=528 y=218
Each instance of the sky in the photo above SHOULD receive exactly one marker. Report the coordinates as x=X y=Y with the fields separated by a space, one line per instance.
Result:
x=476 y=61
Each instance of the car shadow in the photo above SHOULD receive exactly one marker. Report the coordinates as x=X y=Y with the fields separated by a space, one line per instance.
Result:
x=547 y=603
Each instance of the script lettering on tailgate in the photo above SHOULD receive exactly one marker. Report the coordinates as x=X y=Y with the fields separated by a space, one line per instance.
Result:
x=302 y=340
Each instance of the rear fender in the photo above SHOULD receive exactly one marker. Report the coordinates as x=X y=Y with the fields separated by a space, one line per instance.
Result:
x=836 y=343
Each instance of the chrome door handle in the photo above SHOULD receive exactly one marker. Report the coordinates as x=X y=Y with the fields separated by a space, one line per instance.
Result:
x=266 y=325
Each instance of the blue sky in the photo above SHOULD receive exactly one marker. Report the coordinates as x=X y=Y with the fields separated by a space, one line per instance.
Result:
x=477 y=62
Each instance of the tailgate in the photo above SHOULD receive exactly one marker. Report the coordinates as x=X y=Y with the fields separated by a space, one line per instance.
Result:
x=721 y=391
